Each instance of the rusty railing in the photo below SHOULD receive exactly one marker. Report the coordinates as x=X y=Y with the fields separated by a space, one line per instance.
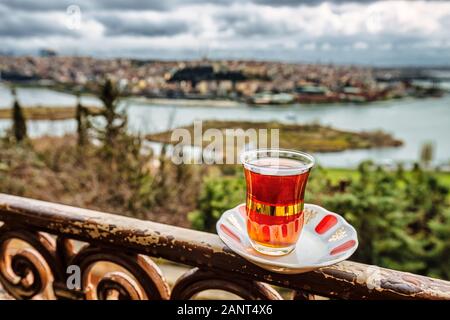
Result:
x=37 y=247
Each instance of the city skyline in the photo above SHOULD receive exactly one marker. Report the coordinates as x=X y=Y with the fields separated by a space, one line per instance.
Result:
x=383 y=33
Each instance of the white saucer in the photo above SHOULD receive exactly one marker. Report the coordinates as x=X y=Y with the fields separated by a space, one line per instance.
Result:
x=326 y=239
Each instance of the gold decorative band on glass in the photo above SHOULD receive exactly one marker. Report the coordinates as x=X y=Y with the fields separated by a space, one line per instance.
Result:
x=276 y=211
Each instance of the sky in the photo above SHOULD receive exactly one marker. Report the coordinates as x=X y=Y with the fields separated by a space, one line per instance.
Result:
x=337 y=31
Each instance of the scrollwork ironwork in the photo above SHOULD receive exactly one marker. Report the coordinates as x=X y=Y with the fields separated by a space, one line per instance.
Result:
x=196 y=280
x=47 y=233
x=138 y=279
x=27 y=270
x=35 y=269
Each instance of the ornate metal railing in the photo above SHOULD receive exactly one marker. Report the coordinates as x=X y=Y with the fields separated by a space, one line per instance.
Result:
x=37 y=251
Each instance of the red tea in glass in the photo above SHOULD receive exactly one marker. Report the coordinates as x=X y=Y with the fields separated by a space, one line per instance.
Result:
x=276 y=181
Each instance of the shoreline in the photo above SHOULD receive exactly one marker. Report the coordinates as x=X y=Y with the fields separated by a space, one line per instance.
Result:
x=211 y=102
x=215 y=103
x=47 y=113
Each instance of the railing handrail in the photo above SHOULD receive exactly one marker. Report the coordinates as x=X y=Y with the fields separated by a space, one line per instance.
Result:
x=346 y=279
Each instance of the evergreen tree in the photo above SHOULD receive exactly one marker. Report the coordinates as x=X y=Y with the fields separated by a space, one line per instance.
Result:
x=19 y=123
x=115 y=119
x=123 y=154
x=426 y=154
x=81 y=117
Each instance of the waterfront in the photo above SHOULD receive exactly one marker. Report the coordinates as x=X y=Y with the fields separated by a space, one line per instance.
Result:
x=415 y=121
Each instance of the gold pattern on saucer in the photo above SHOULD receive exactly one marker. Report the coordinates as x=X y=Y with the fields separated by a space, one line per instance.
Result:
x=309 y=215
x=338 y=235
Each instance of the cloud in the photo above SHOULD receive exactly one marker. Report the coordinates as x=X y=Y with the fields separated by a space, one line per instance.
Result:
x=296 y=3
x=88 y=5
x=246 y=23
x=132 y=25
x=336 y=30
x=23 y=25
x=32 y=5
x=157 y=5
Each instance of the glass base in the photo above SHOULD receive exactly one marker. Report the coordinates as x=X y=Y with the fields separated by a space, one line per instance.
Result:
x=271 y=251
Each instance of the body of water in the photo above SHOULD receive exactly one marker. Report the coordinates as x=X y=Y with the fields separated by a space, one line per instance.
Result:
x=415 y=121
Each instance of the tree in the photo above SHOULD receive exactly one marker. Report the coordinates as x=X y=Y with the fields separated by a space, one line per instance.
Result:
x=426 y=154
x=81 y=116
x=115 y=119
x=126 y=164
x=19 y=123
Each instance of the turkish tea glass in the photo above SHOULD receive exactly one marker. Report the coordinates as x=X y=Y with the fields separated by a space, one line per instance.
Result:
x=276 y=181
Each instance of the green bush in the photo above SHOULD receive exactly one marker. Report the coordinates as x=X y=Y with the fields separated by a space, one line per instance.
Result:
x=402 y=217
x=218 y=194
